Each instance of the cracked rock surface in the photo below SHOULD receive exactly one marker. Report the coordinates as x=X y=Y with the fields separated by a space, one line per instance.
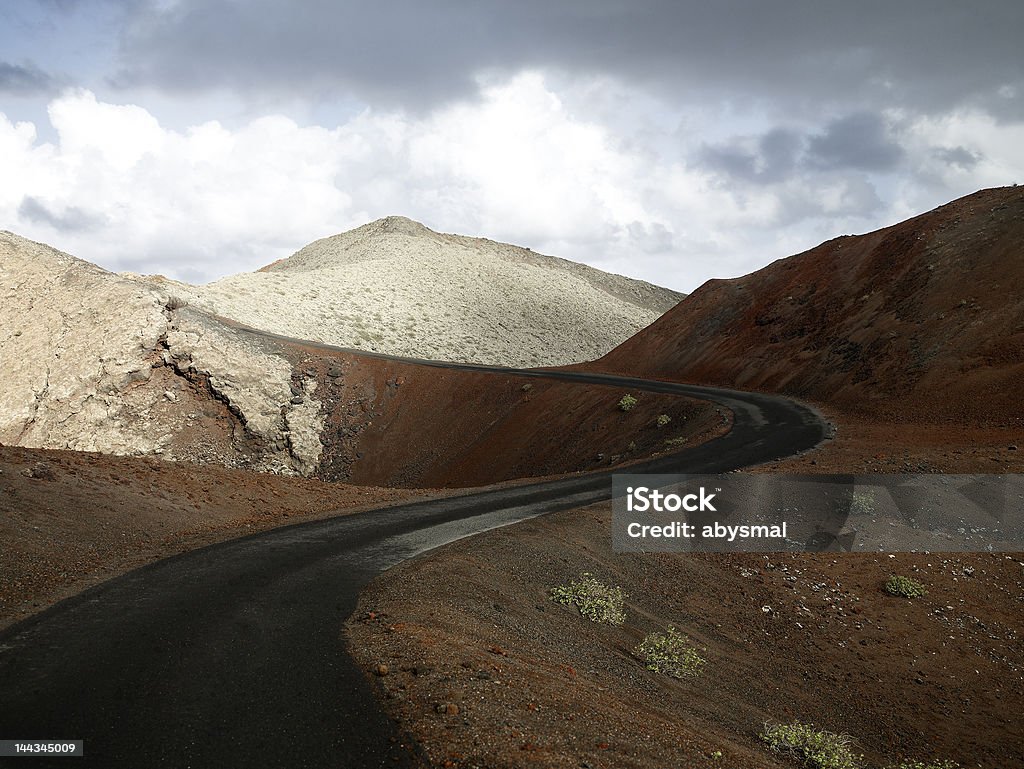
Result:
x=94 y=361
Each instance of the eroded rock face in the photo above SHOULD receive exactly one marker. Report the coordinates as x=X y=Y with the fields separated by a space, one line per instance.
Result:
x=93 y=361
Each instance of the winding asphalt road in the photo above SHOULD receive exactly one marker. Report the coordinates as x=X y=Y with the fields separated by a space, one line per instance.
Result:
x=231 y=656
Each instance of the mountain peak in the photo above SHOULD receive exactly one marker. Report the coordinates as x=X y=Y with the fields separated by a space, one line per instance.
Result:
x=400 y=224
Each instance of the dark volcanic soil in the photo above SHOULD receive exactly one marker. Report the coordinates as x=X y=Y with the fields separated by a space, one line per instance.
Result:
x=399 y=424
x=911 y=339
x=71 y=519
x=810 y=638
x=922 y=321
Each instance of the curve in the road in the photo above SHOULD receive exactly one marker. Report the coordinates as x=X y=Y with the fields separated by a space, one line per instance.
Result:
x=232 y=655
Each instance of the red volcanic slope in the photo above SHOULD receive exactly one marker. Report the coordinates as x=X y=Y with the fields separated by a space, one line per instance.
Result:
x=921 y=321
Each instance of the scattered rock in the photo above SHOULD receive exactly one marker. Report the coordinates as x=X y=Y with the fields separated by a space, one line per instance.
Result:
x=381 y=669
x=40 y=471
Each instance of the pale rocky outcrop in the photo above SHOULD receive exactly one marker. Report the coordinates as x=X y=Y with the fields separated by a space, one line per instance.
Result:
x=93 y=361
x=127 y=364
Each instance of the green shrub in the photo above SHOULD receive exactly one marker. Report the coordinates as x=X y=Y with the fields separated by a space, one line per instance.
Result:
x=862 y=503
x=663 y=419
x=596 y=601
x=814 y=748
x=627 y=402
x=675 y=441
x=670 y=653
x=904 y=587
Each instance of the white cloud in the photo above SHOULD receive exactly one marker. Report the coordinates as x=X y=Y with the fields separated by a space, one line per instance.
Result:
x=520 y=164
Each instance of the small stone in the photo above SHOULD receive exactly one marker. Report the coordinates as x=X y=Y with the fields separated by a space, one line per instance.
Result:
x=40 y=471
x=381 y=670
x=297 y=399
x=1012 y=447
x=448 y=709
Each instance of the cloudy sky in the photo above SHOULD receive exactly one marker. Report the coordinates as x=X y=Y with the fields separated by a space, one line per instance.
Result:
x=668 y=140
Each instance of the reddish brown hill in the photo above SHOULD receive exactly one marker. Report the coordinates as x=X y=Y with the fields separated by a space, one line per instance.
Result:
x=920 y=321
x=395 y=423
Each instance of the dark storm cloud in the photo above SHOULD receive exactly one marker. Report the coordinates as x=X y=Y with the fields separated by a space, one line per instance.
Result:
x=861 y=141
x=72 y=219
x=24 y=80
x=961 y=157
x=774 y=158
x=928 y=55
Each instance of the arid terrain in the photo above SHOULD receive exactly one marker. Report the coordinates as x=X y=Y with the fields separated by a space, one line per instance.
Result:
x=394 y=286
x=70 y=519
x=910 y=340
x=811 y=638
x=919 y=322
x=101 y=362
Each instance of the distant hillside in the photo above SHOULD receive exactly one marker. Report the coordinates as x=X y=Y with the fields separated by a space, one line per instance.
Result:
x=923 y=320
x=395 y=286
x=93 y=361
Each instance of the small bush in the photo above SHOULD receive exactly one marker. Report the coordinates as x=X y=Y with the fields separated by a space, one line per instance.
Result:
x=862 y=503
x=815 y=748
x=904 y=587
x=675 y=441
x=526 y=387
x=596 y=601
x=627 y=402
x=175 y=303
x=663 y=419
x=670 y=653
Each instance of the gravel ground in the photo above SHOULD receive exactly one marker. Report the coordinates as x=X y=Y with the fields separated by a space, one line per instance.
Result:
x=487 y=671
x=69 y=519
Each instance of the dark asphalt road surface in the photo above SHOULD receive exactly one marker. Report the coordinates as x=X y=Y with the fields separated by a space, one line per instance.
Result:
x=232 y=656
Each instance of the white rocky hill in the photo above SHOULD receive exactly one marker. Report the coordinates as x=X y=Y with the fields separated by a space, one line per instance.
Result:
x=93 y=361
x=397 y=287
